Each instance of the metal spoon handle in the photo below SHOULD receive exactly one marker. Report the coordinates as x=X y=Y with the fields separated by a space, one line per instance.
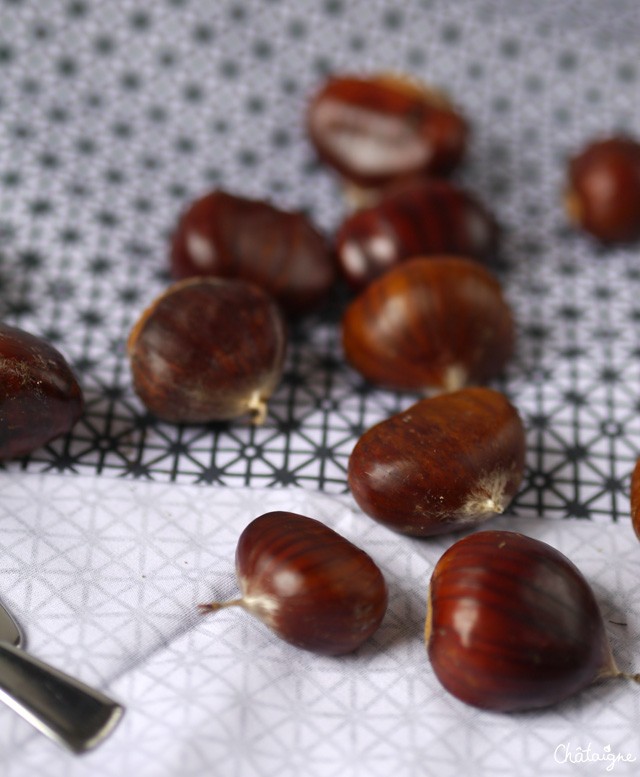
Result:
x=61 y=707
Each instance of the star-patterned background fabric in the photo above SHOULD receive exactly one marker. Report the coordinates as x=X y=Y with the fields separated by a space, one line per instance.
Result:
x=114 y=115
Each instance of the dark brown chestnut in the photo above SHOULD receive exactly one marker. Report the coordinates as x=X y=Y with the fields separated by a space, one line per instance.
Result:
x=40 y=398
x=420 y=218
x=430 y=323
x=635 y=498
x=307 y=583
x=208 y=349
x=224 y=235
x=445 y=464
x=512 y=624
x=376 y=129
x=603 y=190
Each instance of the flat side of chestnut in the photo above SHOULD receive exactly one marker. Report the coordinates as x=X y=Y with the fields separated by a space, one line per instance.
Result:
x=430 y=323
x=513 y=624
x=375 y=129
x=603 y=190
x=208 y=349
x=225 y=235
x=309 y=584
x=635 y=498
x=445 y=464
x=40 y=398
x=417 y=218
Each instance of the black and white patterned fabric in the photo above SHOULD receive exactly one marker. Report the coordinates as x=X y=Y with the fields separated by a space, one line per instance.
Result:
x=105 y=576
x=114 y=115
x=112 y=121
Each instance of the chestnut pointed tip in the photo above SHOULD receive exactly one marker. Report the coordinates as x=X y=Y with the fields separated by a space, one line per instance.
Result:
x=258 y=407
x=455 y=378
x=491 y=506
x=203 y=609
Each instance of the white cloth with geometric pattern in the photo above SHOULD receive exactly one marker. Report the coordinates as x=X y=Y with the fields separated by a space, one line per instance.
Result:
x=105 y=576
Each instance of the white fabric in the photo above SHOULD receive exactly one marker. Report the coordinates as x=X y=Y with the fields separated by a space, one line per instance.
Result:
x=105 y=576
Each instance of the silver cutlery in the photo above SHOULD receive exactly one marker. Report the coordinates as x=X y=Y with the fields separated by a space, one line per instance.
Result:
x=59 y=706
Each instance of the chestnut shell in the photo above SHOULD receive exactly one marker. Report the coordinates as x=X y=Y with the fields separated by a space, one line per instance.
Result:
x=224 y=235
x=635 y=498
x=208 y=349
x=309 y=584
x=603 y=190
x=40 y=398
x=430 y=323
x=418 y=218
x=445 y=464
x=374 y=129
x=512 y=624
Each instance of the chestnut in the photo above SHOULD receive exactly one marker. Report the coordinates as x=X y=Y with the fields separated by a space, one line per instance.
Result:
x=40 y=398
x=307 y=583
x=512 y=624
x=447 y=463
x=635 y=498
x=208 y=349
x=224 y=235
x=603 y=190
x=379 y=128
x=431 y=323
x=420 y=218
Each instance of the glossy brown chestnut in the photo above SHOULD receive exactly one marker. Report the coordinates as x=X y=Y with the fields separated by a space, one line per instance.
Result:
x=379 y=128
x=40 y=398
x=603 y=190
x=307 y=583
x=208 y=349
x=422 y=218
x=635 y=498
x=445 y=464
x=512 y=624
x=228 y=236
x=430 y=323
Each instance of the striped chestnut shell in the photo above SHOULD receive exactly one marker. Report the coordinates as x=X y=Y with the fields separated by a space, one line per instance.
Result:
x=307 y=583
x=446 y=463
x=421 y=218
x=376 y=129
x=224 y=235
x=513 y=625
x=438 y=323
x=208 y=349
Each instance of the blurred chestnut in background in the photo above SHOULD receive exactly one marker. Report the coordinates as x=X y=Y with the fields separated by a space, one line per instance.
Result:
x=435 y=323
x=603 y=190
x=447 y=463
x=40 y=398
x=416 y=219
x=208 y=349
x=221 y=234
x=376 y=129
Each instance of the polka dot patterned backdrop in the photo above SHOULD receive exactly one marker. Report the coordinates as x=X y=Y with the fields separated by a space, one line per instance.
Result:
x=113 y=116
